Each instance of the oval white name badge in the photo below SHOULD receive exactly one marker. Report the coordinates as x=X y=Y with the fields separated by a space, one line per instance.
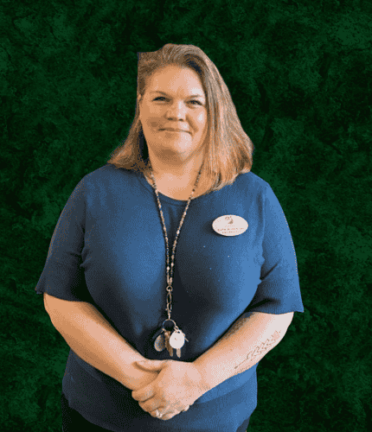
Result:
x=230 y=225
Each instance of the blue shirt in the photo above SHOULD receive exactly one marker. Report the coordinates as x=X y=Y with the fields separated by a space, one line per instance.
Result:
x=108 y=249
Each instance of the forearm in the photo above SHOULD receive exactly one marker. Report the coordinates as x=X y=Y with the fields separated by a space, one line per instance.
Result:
x=244 y=345
x=94 y=340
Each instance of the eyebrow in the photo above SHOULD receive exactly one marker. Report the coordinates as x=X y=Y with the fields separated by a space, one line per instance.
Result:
x=158 y=91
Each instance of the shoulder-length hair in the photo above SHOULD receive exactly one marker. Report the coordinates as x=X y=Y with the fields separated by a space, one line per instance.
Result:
x=228 y=149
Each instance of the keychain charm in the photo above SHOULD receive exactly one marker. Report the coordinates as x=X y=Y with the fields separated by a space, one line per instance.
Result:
x=177 y=340
x=160 y=343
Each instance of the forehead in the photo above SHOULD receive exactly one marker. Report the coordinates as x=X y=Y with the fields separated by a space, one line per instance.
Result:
x=173 y=78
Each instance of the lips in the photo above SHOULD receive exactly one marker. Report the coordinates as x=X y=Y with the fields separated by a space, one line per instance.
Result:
x=174 y=130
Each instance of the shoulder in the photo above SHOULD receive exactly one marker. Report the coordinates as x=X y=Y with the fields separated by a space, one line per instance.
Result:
x=106 y=173
x=253 y=184
x=253 y=178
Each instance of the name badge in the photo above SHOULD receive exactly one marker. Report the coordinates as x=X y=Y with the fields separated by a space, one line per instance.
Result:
x=230 y=225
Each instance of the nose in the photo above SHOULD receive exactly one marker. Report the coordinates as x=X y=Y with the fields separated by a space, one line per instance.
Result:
x=176 y=110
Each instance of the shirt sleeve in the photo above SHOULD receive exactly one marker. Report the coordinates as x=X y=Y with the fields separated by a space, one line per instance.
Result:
x=279 y=289
x=63 y=276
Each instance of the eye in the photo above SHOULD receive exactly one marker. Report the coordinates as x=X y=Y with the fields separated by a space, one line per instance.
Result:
x=161 y=97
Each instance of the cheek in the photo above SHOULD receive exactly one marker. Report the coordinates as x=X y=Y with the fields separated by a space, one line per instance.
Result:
x=153 y=123
x=201 y=120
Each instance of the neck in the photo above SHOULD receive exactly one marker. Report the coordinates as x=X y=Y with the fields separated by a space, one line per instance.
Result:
x=182 y=172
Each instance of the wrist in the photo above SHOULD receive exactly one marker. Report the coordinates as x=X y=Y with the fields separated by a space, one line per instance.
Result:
x=201 y=379
x=142 y=378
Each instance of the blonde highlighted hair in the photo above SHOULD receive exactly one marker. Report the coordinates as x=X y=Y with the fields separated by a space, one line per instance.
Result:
x=228 y=149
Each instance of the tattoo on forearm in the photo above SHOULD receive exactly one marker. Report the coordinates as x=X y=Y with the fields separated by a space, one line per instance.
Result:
x=259 y=350
x=263 y=348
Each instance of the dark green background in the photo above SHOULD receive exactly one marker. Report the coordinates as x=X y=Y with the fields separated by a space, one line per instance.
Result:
x=299 y=73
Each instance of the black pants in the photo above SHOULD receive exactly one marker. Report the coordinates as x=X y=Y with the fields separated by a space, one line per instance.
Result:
x=72 y=421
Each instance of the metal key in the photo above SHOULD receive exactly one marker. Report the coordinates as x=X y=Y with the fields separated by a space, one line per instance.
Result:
x=170 y=348
x=167 y=335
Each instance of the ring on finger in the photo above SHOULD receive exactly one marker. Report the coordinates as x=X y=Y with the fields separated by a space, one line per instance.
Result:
x=158 y=415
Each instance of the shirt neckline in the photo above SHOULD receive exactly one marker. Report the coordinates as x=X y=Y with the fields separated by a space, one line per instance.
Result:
x=165 y=198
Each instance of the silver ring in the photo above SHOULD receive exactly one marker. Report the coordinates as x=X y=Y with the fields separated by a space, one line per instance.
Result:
x=159 y=415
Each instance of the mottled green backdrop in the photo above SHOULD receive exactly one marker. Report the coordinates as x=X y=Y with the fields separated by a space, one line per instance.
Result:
x=300 y=74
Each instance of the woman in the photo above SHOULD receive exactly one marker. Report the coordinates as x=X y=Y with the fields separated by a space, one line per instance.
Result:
x=129 y=230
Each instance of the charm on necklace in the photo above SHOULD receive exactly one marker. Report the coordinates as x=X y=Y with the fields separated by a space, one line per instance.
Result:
x=177 y=340
x=160 y=343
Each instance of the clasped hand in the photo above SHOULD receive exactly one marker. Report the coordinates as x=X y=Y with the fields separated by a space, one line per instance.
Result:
x=178 y=385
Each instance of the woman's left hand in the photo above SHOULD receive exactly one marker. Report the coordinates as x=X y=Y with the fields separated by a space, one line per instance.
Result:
x=178 y=385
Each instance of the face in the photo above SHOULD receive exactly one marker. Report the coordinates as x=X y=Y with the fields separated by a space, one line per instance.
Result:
x=169 y=103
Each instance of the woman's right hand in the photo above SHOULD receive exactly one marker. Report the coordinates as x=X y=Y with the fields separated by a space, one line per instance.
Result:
x=145 y=379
